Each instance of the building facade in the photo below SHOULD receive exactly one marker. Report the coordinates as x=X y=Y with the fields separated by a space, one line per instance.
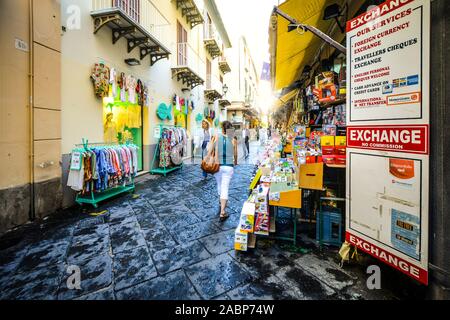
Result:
x=173 y=49
x=243 y=87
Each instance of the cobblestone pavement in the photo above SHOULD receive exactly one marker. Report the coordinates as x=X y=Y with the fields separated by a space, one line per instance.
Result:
x=167 y=243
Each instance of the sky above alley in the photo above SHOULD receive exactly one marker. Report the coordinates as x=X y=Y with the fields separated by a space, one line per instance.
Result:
x=249 y=18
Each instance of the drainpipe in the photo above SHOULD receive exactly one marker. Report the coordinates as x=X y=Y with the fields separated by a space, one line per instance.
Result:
x=32 y=215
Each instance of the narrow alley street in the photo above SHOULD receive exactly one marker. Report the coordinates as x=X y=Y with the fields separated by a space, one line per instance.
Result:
x=224 y=155
x=166 y=242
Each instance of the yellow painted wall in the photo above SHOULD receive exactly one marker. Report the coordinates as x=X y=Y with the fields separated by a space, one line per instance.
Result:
x=14 y=93
x=46 y=89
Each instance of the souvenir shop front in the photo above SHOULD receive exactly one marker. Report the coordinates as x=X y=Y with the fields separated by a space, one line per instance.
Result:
x=123 y=98
x=103 y=169
x=299 y=182
x=344 y=164
x=172 y=141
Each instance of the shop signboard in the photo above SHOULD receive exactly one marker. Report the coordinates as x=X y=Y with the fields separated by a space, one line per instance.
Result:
x=388 y=134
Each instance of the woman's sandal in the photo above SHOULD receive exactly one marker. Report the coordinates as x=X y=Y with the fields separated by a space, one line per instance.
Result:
x=224 y=217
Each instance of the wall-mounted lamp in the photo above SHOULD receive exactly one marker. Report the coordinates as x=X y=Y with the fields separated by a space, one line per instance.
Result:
x=132 y=62
x=225 y=89
x=334 y=11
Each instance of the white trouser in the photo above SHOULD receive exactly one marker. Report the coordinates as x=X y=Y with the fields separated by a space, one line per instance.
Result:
x=223 y=178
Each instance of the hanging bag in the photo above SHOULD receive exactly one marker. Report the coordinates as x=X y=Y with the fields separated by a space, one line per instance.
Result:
x=175 y=155
x=211 y=164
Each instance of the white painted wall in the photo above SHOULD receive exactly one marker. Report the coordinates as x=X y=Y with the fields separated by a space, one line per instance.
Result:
x=82 y=113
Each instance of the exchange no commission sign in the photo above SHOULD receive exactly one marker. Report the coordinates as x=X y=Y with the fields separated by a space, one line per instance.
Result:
x=388 y=134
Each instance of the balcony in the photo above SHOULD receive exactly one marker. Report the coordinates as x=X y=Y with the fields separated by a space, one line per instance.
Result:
x=190 y=10
x=224 y=103
x=138 y=21
x=224 y=66
x=213 y=85
x=189 y=64
x=212 y=41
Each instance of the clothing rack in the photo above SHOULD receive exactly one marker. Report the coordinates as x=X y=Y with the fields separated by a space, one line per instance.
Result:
x=94 y=198
x=164 y=170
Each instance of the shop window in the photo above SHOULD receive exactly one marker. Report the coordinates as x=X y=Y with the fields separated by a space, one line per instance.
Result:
x=123 y=124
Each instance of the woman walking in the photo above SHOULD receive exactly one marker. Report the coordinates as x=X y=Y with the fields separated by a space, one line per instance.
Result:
x=227 y=150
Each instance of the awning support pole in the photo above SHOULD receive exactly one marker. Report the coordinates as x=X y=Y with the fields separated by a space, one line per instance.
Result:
x=314 y=30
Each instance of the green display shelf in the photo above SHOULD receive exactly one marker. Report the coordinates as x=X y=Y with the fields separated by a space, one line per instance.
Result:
x=165 y=171
x=94 y=198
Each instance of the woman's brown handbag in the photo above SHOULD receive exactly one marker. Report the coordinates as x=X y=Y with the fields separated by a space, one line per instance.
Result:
x=211 y=164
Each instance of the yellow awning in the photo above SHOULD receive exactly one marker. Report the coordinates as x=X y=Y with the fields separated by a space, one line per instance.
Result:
x=286 y=98
x=291 y=51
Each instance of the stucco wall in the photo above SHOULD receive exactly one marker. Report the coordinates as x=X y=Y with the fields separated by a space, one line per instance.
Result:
x=82 y=113
x=30 y=141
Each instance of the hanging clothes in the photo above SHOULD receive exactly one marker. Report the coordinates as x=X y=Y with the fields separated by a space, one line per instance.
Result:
x=131 y=87
x=173 y=140
x=146 y=96
x=123 y=87
x=103 y=168
x=101 y=77
x=113 y=81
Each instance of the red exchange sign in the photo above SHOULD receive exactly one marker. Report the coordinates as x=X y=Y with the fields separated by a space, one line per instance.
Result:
x=400 y=264
x=397 y=138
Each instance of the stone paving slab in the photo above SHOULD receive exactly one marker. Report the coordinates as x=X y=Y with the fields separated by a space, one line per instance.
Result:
x=158 y=239
x=87 y=246
x=107 y=294
x=174 y=208
x=39 y=284
x=332 y=275
x=96 y=274
x=193 y=232
x=222 y=297
x=193 y=202
x=219 y=243
x=217 y=275
x=45 y=253
x=173 y=286
x=261 y=261
x=126 y=237
x=310 y=287
x=266 y=288
x=161 y=200
x=170 y=259
x=133 y=267
x=207 y=212
x=10 y=260
x=179 y=220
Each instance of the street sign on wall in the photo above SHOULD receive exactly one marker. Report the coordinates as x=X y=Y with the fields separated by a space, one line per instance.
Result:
x=388 y=134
